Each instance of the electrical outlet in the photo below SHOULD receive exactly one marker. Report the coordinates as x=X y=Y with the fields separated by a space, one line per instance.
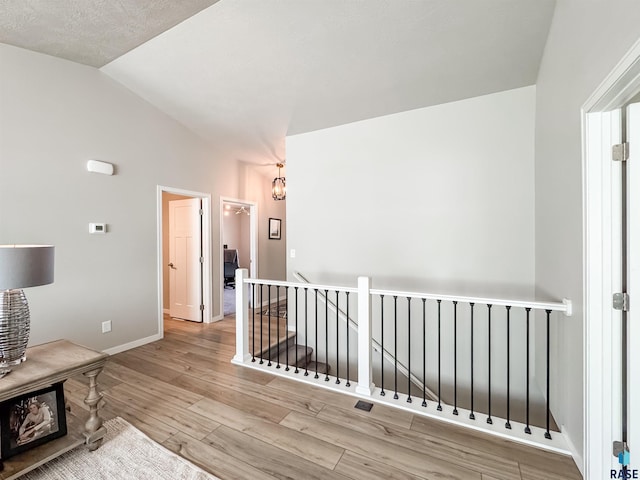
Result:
x=106 y=326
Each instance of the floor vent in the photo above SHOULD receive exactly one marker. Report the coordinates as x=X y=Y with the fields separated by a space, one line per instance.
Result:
x=366 y=406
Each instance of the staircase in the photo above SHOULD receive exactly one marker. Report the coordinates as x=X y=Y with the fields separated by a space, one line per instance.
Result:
x=287 y=352
x=284 y=349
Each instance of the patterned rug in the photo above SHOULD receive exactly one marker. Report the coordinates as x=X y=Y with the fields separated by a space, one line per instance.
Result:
x=126 y=453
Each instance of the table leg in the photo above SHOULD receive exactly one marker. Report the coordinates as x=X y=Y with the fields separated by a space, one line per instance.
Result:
x=94 y=431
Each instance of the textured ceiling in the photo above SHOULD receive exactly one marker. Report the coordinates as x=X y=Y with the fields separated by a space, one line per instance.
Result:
x=243 y=74
x=92 y=32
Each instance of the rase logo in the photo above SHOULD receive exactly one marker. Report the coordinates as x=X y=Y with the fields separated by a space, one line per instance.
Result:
x=624 y=457
x=626 y=474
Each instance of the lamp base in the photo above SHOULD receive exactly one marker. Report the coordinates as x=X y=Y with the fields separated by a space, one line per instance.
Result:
x=15 y=325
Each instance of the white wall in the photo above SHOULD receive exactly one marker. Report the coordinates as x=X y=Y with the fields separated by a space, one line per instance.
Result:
x=54 y=116
x=440 y=200
x=585 y=42
x=436 y=199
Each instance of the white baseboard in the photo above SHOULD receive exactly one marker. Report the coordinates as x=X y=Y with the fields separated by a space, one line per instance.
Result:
x=134 y=344
x=577 y=456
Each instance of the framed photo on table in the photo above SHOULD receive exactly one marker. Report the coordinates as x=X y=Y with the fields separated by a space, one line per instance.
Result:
x=31 y=420
x=274 y=229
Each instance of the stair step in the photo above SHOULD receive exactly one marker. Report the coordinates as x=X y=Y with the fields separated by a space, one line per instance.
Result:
x=303 y=354
x=322 y=368
x=285 y=342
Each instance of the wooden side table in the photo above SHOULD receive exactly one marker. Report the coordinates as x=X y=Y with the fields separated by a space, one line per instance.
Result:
x=48 y=364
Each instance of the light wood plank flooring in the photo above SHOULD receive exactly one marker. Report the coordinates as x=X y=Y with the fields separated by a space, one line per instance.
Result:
x=238 y=423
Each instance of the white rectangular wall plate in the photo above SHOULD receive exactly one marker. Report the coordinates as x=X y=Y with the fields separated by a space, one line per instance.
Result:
x=96 y=166
x=97 y=228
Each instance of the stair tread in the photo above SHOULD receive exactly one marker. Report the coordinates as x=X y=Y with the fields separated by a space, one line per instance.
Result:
x=321 y=367
x=299 y=352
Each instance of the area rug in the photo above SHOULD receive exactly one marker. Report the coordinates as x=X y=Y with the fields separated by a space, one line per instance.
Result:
x=126 y=453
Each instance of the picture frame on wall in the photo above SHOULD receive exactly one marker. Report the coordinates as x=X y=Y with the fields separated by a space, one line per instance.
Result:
x=275 y=232
x=31 y=420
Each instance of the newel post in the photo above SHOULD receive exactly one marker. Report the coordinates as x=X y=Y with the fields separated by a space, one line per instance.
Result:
x=242 y=317
x=365 y=385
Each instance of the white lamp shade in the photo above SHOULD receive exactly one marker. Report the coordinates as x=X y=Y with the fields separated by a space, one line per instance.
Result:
x=25 y=266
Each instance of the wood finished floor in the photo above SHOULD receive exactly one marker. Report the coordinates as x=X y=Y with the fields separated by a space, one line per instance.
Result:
x=237 y=423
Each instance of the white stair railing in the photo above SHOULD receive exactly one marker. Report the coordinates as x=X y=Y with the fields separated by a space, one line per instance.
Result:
x=496 y=319
x=388 y=357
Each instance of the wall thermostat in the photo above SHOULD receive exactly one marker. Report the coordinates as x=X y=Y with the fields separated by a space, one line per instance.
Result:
x=97 y=228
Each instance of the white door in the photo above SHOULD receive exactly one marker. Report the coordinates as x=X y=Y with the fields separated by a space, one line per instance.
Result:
x=633 y=274
x=185 y=253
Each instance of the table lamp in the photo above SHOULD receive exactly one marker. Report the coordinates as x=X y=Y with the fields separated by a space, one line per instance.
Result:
x=21 y=266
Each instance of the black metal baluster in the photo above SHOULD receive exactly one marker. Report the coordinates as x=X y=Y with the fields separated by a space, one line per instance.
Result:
x=297 y=331
x=508 y=424
x=395 y=347
x=527 y=429
x=261 y=322
x=326 y=335
x=382 y=393
x=455 y=357
x=316 y=350
x=286 y=343
x=306 y=330
x=472 y=415
x=348 y=384
x=409 y=349
x=337 y=337
x=439 y=360
x=253 y=325
x=489 y=420
x=278 y=326
x=547 y=435
x=424 y=352
x=269 y=331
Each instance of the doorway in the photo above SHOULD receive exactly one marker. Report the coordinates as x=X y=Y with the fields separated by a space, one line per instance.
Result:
x=190 y=287
x=238 y=224
x=611 y=185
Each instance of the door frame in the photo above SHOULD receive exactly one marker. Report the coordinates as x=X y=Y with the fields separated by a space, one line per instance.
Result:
x=253 y=242
x=599 y=251
x=206 y=251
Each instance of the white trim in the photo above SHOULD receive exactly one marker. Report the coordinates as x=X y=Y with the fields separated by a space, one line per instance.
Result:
x=577 y=456
x=598 y=133
x=633 y=285
x=206 y=251
x=134 y=344
x=253 y=244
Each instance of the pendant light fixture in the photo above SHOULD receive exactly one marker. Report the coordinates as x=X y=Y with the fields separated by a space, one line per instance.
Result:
x=279 y=186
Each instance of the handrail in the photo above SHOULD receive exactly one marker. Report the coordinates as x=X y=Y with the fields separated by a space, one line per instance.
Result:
x=564 y=306
x=374 y=343
x=279 y=283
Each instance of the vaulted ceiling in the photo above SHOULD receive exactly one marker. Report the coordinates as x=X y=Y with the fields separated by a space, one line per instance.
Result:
x=243 y=74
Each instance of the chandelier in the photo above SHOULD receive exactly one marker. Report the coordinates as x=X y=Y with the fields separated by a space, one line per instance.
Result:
x=279 y=186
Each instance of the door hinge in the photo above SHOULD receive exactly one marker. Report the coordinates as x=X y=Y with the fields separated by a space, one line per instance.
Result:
x=201 y=212
x=202 y=308
x=621 y=301
x=201 y=259
x=620 y=152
